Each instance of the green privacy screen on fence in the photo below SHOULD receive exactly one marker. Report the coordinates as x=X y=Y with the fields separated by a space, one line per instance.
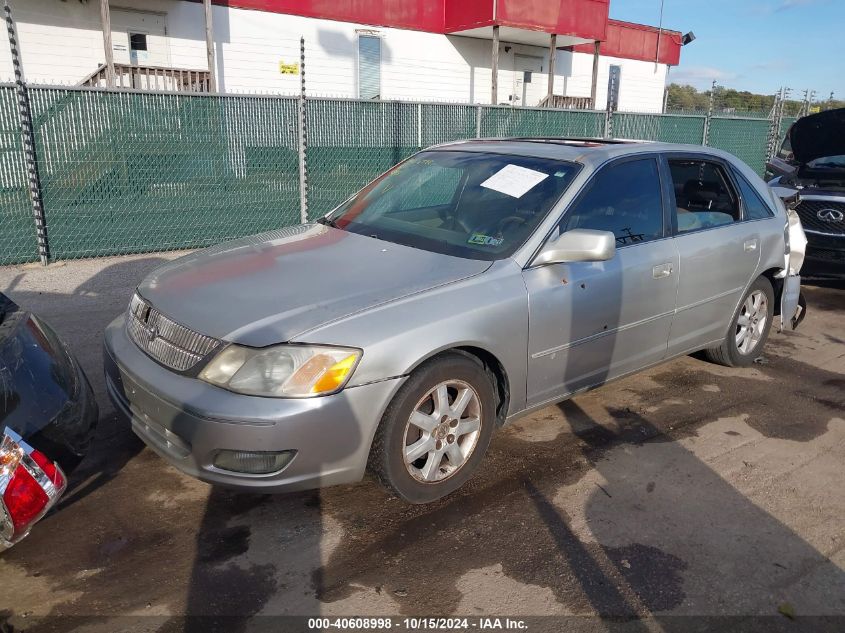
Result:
x=134 y=172
x=17 y=223
x=127 y=172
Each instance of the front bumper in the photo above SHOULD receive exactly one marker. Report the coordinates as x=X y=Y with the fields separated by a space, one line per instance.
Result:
x=825 y=258
x=186 y=421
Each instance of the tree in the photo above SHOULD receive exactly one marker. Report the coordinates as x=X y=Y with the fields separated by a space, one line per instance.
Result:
x=684 y=97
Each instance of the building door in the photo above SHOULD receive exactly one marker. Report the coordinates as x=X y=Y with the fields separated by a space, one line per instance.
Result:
x=528 y=85
x=140 y=38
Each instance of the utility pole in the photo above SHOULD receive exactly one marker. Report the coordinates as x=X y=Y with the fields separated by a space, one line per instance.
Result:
x=303 y=137
x=552 y=55
x=105 y=19
x=209 y=48
x=494 y=63
x=706 y=136
x=659 y=33
x=27 y=138
x=595 y=79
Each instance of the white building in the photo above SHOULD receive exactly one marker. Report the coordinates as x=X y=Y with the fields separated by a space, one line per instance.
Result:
x=426 y=50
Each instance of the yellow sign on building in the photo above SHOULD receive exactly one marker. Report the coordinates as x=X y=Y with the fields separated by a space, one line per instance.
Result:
x=288 y=69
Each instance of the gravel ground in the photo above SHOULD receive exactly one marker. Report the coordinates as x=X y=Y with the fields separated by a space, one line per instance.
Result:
x=690 y=489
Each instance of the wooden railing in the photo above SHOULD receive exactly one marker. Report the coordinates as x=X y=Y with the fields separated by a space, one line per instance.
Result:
x=151 y=78
x=567 y=103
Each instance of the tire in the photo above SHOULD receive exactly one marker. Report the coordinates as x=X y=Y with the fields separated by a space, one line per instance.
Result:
x=738 y=350
x=442 y=456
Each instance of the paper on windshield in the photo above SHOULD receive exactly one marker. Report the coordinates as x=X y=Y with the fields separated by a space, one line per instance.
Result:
x=513 y=180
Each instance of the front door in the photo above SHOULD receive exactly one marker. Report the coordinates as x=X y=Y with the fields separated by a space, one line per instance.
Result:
x=592 y=321
x=528 y=84
x=139 y=38
x=719 y=253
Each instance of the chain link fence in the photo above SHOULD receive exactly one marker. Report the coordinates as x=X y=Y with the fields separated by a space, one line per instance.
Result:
x=127 y=172
x=667 y=128
x=135 y=172
x=745 y=138
x=18 y=241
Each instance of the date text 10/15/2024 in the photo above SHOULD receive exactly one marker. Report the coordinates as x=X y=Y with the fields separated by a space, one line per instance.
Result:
x=417 y=624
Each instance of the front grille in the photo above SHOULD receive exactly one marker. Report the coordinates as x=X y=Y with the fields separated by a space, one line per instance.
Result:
x=827 y=254
x=163 y=339
x=808 y=211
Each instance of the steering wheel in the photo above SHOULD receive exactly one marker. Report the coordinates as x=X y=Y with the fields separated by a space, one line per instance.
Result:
x=508 y=222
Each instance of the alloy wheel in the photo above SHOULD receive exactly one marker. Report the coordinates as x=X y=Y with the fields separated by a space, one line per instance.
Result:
x=442 y=431
x=751 y=323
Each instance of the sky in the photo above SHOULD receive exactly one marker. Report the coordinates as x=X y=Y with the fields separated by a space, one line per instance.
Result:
x=755 y=45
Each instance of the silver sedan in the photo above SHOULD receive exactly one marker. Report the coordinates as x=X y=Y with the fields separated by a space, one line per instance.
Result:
x=471 y=284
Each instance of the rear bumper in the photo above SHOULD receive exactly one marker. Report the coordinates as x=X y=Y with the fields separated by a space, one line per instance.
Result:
x=186 y=421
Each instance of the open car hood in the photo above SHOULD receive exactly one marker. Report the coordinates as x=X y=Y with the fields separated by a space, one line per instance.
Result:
x=818 y=135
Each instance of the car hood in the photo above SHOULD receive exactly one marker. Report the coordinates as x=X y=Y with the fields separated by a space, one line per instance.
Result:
x=818 y=135
x=269 y=288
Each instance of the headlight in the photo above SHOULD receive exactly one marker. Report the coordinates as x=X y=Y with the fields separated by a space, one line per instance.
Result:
x=284 y=371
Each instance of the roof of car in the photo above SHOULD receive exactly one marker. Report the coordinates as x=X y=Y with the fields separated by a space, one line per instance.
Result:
x=583 y=150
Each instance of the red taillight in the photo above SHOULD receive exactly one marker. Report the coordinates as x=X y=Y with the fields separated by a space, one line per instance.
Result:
x=25 y=500
x=29 y=485
x=50 y=469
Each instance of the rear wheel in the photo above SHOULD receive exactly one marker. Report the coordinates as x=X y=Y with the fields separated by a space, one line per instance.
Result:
x=749 y=328
x=436 y=430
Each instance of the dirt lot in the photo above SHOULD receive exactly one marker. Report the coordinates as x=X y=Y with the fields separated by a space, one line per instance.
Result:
x=690 y=489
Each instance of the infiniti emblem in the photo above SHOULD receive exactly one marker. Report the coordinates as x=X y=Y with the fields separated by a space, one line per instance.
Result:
x=830 y=215
x=152 y=333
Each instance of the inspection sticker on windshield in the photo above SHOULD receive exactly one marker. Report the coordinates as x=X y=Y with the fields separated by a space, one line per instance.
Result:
x=513 y=180
x=484 y=240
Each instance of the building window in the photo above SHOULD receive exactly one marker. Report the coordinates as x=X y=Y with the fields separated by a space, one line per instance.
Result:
x=138 y=41
x=369 y=67
x=613 y=79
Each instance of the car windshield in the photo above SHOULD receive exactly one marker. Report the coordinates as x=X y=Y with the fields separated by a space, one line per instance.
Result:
x=468 y=204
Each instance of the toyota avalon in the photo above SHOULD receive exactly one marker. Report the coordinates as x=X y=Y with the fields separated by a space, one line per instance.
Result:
x=471 y=284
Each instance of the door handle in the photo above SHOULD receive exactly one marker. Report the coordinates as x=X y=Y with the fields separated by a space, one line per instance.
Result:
x=661 y=270
x=750 y=246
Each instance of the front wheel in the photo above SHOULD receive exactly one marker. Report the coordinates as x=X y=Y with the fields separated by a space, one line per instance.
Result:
x=749 y=328
x=436 y=430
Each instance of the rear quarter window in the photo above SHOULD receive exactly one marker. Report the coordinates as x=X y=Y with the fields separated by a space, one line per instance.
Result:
x=754 y=207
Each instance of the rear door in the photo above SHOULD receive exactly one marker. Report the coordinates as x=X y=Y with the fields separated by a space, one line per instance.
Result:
x=719 y=253
x=592 y=321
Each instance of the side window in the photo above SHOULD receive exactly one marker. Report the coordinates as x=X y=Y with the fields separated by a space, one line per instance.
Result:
x=755 y=207
x=704 y=196
x=624 y=199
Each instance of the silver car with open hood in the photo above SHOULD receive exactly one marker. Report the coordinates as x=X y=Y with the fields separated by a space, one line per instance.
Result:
x=810 y=167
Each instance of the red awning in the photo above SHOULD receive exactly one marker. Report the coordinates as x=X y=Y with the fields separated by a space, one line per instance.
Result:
x=638 y=41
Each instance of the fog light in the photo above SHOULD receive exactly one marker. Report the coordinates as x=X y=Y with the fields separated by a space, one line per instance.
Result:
x=253 y=462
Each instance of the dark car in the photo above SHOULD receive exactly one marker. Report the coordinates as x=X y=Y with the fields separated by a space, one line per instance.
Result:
x=47 y=419
x=811 y=163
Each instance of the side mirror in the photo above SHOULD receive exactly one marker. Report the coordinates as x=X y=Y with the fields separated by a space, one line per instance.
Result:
x=578 y=245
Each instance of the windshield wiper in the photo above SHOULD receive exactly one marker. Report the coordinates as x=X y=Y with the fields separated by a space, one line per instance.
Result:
x=327 y=221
